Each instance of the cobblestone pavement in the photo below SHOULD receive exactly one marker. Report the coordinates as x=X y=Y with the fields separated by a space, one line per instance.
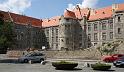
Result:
x=11 y=67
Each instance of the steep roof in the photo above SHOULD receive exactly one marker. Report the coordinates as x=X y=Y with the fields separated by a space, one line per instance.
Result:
x=21 y=19
x=119 y=7
x=105 y=12
x=91 y=14
x=101 y=13
x=54 y=21
x=69 y=14
x=81 y=12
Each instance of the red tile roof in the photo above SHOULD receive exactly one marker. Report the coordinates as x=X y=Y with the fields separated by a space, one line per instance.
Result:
x=21 y=19
x=54 y=21
x=81 y=12
x=69 y=14
x=120 y=7
x=91 y=14
x=101 y=13
x=105 y=12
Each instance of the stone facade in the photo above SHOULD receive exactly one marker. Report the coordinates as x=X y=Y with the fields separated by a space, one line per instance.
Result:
x=28 y=31
x=28 y=37
x=51 y=36
x=87 y=31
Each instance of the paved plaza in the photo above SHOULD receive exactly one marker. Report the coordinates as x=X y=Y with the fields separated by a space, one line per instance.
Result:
x=11 y=67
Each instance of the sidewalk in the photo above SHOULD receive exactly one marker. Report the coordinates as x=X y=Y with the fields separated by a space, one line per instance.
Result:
x=5 y=59
x=78 y=60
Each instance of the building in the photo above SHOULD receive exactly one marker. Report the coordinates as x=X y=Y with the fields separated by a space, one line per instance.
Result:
x=74 y=30
x=28 y=30
x=83 y=28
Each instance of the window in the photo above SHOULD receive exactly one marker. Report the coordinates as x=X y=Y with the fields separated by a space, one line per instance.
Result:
x=47 y=39
x=95 y=44
x=95 y=27
x=89 y=45
x=111 y=35
x=119 y=30
x=62 y=40
x=103 y=26
x=67 y=19
x=89 y=36
x=89 y=27
x=56 y=46
x=95 y=36
x=119 y=19
x=67 y=40
x=103 y=36
x=85 y=27
x=47 y=31
x=52 y=39
x=52 y=31
x=56 y=38
x=56 y=31
x=80 y=44
x=111 y=26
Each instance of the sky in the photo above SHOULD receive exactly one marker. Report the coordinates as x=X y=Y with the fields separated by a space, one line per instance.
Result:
x=49 y=8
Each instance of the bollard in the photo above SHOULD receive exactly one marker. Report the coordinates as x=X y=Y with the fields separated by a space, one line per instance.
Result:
x=88 y=65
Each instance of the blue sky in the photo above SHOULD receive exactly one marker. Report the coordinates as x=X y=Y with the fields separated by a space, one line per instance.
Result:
x=49 y=8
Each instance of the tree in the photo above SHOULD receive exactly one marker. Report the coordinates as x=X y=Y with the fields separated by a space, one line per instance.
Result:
x=7 y=35
x=109 y=48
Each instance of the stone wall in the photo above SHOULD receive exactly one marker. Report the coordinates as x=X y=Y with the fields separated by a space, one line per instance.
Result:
x=78 y=54
x=89 y=53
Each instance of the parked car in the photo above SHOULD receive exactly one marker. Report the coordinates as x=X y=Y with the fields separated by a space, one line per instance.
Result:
x=111 y=58
x=119 y=62
x=35 y=57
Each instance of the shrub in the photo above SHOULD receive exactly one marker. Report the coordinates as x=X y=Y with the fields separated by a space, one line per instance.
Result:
x=101 y=66
x=64 y=65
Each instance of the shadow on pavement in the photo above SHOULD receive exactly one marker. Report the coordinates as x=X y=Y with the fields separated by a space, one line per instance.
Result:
x=75 y=69
x=105 y=70
x=9 y=61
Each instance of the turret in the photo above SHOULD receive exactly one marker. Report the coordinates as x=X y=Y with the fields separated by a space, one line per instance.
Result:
x=69 y=31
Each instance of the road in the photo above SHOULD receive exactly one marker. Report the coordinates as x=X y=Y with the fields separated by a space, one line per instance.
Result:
x=11 y=67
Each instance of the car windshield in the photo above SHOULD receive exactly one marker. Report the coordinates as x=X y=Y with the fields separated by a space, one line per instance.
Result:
x=122 y=57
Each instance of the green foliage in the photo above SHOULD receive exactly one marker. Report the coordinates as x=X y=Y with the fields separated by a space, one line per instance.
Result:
x=101 y=66
x=6 y=34
x=109 y=48
x=64 y=62
x=64 y=65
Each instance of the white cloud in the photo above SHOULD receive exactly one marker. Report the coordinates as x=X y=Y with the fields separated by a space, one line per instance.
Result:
x=84 y=4
x=16 y=6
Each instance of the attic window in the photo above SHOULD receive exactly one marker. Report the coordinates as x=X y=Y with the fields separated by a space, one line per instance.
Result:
x=103 y=12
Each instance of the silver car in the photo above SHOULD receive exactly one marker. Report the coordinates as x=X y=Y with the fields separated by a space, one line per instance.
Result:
x=35 y=57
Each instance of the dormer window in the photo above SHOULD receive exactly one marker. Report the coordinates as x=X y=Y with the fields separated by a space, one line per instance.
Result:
x=103 y=12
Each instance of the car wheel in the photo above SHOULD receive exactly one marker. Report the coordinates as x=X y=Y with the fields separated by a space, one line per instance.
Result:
x=41 y=60
x=117 y=66
x=26 y=61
